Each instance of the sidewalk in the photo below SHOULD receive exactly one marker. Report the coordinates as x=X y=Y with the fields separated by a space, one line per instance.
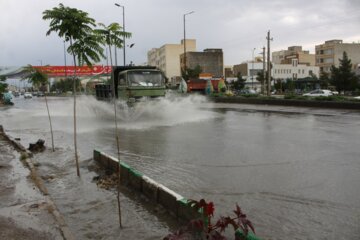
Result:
x=25 y=212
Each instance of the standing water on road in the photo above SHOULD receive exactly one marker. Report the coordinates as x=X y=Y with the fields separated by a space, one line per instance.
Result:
x=294 y=171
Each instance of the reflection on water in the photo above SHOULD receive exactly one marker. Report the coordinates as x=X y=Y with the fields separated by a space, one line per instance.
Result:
x=294 y=171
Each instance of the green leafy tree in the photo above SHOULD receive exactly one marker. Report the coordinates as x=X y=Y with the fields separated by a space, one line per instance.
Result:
x=76 y=27
x=65 y=85
x=239 y=83
x=288 y=86
x=112 y=35
x=192 y=73
x=342 y=77
x=324 y=80
x=3 y=85
x=39 y=79
x=261 y=78
x=87 y=49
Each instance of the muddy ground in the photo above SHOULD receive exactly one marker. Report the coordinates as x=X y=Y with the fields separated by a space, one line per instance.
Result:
x=25 y=212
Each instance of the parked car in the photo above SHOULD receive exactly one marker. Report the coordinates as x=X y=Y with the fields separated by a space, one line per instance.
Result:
x=335 y=92
x=358 y=97
x=27 y=95
x=40 y=94
x=319 y=93
x=246 y=91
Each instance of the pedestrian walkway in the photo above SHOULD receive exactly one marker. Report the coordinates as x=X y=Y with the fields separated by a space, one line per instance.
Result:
x=25 y=213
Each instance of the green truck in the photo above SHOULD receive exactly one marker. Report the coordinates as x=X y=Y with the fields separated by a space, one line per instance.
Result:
x=133 y=83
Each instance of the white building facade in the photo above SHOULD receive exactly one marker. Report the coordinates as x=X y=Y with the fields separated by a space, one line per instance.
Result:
x=293 y=71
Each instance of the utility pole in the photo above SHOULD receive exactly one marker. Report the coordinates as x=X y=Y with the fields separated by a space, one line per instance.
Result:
x=264 y=74
x=252 y=69
x=268 y=63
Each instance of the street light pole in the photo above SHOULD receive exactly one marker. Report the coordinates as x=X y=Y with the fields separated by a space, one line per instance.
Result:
x=185 y=40
x=124 y=45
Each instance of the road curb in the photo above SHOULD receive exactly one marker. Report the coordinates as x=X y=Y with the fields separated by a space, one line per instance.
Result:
x=289 y=102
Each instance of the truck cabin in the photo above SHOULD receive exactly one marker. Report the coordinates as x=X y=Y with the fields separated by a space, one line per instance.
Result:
x=136 y=82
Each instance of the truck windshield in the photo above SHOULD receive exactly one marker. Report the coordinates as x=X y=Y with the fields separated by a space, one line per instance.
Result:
x=145 y=78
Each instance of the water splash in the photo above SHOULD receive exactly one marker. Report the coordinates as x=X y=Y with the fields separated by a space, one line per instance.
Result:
x=92 y=114
x=169 y=111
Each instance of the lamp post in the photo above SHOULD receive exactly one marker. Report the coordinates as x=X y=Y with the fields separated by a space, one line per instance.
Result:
x=123 y=10
x=185 y=40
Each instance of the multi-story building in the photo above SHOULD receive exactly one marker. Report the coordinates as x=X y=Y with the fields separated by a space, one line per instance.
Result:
x=293 y=52
x=210 y=60
x=329 y=53
x=293 y=71
x=282 y=72
x=167 y=57
x=228 y=71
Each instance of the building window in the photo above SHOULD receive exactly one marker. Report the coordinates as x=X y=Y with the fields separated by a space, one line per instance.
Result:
x=329 y=51
x=328 y=60
x=294 y=62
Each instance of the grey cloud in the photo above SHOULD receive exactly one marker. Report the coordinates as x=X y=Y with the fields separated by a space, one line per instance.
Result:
x=234 y=25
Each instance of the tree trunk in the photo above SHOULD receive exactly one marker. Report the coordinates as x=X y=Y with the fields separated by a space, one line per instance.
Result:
x=75 y=134
x=117 y=138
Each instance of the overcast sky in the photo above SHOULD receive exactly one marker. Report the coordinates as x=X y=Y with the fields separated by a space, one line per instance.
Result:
x=236 y=26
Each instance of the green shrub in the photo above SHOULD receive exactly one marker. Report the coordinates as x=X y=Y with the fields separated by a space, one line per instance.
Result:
x=23 y=156
x=333 y=98
x=250 y=95
x=296 y=97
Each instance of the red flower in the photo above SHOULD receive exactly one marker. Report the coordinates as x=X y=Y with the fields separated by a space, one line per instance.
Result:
x=210 y=209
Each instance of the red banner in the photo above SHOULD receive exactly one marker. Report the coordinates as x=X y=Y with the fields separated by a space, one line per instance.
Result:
x=61 y=71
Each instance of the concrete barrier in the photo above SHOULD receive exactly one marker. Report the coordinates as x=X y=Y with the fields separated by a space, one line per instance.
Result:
x=155 y=192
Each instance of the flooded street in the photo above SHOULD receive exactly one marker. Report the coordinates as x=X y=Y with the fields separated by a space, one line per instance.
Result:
x=295 y=172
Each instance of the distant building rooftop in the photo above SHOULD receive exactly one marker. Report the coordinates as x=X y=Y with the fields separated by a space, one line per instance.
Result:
x=334 y=41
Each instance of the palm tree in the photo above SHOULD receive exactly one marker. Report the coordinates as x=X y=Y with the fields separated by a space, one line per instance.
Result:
x=76 y=27
x=39 y=78
x=111 y=35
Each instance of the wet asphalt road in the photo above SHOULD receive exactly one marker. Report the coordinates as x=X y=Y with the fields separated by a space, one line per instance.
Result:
x=294 y=171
